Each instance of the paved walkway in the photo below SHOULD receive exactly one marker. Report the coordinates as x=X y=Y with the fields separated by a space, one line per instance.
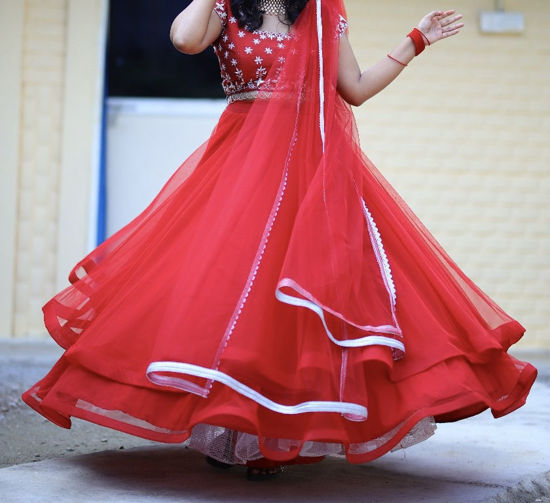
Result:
x=478 y=459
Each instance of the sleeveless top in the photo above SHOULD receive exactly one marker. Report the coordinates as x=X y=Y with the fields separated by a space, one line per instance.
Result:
x=246 y=57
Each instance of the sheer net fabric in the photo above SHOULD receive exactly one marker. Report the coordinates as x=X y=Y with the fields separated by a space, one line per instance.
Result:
x=234 y=447
x=278 y=298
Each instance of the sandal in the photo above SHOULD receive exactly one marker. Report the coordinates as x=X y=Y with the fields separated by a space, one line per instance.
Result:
x=256 y=474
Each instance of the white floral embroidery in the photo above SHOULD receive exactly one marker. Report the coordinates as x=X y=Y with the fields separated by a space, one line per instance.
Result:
x=219 y=8
x=236 y=76
x=342 y=26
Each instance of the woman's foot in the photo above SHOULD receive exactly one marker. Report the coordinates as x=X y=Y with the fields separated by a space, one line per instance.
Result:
x=217 y=464
x=257 y=474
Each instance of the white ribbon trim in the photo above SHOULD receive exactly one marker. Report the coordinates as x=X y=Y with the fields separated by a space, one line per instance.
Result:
x=355 y=411
x=317 y=308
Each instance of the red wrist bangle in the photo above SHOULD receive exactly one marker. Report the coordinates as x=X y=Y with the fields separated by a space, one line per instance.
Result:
x=418 y=40
x=396 y=60
x=425 y=37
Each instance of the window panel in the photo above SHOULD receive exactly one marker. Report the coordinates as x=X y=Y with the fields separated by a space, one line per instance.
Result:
x=141 y=60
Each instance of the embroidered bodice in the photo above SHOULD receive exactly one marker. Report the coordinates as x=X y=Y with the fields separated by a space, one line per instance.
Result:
x=246 y=57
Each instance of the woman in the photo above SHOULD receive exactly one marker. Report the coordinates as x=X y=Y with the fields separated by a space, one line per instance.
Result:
x=278 y=301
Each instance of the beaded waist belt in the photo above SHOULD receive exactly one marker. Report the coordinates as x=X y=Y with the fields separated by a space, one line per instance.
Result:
x=245 y=96
x=252 y=95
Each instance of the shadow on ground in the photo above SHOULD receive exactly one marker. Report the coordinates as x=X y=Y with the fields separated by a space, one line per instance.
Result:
x=478 y=459
x=170 y=473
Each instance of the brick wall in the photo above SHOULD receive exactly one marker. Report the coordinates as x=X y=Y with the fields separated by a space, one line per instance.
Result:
x=43 y=75
x=463 y=135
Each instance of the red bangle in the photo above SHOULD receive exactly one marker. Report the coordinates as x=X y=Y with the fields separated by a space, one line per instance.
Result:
x=418 y=40
x=396 y=60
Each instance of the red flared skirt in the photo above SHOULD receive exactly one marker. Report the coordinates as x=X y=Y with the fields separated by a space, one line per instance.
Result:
x=268 y=304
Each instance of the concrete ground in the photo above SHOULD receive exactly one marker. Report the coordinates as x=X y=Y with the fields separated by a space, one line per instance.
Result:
x=479 y=459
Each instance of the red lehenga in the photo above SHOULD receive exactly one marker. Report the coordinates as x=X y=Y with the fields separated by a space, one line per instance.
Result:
x=278 y=298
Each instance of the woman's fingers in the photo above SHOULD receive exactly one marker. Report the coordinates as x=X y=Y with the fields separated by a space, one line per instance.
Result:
x=444 y=16
x=450 y=33
x=446 y=13
x=452 y=26
x=451 y=30
x=433 y=15
x=452 y=20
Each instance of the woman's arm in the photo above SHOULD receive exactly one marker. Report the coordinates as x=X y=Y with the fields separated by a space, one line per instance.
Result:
x=196 y=27
x=356 y=87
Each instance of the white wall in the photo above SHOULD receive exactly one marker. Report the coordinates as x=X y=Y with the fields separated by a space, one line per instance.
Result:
x=147 y=140
x=11 y=43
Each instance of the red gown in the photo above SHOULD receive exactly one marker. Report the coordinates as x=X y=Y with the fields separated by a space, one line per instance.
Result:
x=278 y=298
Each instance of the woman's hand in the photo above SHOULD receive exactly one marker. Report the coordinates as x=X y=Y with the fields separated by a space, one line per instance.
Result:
x=440 y=24
x=356 y=86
